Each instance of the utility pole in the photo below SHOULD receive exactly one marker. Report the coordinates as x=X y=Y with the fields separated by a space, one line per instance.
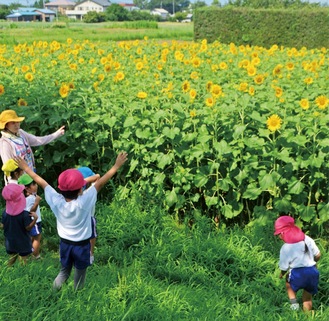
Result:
x=173 y=6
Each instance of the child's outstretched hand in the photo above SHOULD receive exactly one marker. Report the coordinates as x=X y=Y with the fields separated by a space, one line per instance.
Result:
x=21 y=163
x=121 y=159
x=34 y=215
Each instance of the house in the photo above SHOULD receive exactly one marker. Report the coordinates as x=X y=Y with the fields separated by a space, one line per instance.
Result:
x=129 y=6
x=60 y=6
x=82 y=8
x=31 y=14
x=163 y=13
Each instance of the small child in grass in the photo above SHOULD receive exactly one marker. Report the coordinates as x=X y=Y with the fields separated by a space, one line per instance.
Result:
x=17 y=223
x=32 y=205
x=298 y=257
x=90 y=177
x=72 y=209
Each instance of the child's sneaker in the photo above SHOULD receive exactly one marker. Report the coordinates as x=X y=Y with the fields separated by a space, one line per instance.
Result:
x=294 y=306
x=92 y=259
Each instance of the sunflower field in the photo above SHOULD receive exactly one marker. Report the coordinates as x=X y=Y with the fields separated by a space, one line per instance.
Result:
x=236 y=132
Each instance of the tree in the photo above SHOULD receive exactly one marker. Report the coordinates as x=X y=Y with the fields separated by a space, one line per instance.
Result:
x=39 y=4
x=94 y=17
x=256 y=4
x=141 y=4
x=198 y=4
x=115 y=12
x=171 y=6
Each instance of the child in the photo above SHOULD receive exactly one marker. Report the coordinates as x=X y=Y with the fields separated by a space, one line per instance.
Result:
x=90 y=177
x=32 y=205
x=72 y=210
x=298 y=257
x=12 y=171
x=17 y=223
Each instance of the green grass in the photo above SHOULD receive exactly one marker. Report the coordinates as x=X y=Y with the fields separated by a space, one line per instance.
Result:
x=149 y=267
x=12 y=33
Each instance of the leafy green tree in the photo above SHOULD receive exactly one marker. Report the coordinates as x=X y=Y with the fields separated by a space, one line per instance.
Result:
x=256 y=4
x=198 y=4
x=38 y=4
x=142 y=4
x=115 y=12
x=180 y=16
x=216 y=3
x=141 y=15
x=4 y=11
x=94 y=17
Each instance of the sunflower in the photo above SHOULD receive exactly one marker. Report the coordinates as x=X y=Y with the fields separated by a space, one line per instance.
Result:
x=25 y=68
x=196 y=62
x=209 y=85
x=243 y=87
x=322 y=102
x=278 y=92
x=194 y=75
x=259 y=79
x=29 y=77
x=193 y=93
x=277 y=70
x=216 y=90
x=223 y=65
x=251 y=91
x=142 y=95
x=103 y=60
x=119 y=76
x=308 y=80
x=64 y=90
x=2 y=89
x=139 y=65
x=186 y=86
x=210 y=101
x=21 y=102
x=107 y=68
x=193 y=113
x=251 y=70
x=290 y=66
x=273 y=123
x=304 y=103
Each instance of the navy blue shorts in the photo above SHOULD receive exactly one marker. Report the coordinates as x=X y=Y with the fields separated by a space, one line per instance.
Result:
x=76 y=255
x=93 y=228
x=306 y=278
x=36 y=229
x=20 y=253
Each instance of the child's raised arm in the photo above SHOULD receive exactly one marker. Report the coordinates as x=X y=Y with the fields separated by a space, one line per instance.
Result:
x=121 y=159
x=21 y=163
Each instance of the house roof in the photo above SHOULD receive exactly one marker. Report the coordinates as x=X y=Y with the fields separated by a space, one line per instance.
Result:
x=45 y=11
x=103 y=3
x=59 y=3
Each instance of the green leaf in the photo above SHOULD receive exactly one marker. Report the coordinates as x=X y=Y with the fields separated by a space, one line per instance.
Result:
x=283 y=205
x=211 y=200
x=222 y=147
x=130 y=121
x=200 y=180
x=171 y=132
x=295 y=187
x=171 y=198
x=164 y=160
x=145 y=133
x=323 y=209
x=110 y=121
x=307 y=212
x=252 y=192
x=133 y=163
x=266 y=182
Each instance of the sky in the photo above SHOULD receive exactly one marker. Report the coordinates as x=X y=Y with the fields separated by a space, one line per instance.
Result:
x=31 y=2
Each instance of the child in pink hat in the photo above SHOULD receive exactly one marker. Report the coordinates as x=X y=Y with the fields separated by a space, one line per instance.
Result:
x=72 y=208
x=17 y=223
x=298 y=257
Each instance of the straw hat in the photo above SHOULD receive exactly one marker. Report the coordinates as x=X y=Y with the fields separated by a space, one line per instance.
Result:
x=7 y=116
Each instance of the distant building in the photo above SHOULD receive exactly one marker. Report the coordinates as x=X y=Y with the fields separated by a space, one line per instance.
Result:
x=31 y=14
x=82 y=8
x=129 y=6
x=163 y=13
x=60 y=6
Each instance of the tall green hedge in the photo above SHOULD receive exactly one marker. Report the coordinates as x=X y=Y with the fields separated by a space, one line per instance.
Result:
x=263 y=27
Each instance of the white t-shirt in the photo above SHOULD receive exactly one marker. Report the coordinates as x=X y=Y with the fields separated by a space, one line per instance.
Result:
x=30 y=200
x=73 y=218
x=294 y=255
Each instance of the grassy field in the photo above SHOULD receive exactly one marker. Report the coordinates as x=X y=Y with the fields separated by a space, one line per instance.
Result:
x=11 y=33
x=149 y=267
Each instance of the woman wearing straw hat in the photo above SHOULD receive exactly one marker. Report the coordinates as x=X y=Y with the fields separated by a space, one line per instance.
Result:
x=298 y=257
x=16 y=142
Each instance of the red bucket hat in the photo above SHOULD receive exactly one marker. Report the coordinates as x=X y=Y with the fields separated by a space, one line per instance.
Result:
x=71 y=180
x=290 y=233
x=15 y=199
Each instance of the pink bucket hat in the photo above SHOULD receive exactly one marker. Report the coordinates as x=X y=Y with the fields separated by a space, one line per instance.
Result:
x=71 y=180
x=15 y=199
x=290 y=233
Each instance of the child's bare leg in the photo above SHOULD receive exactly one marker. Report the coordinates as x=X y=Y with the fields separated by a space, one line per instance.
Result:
x=24 y=259
x=36 y=245
x=12 y=259
x=92 y=245
x=292 y=297
x=307 y=301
